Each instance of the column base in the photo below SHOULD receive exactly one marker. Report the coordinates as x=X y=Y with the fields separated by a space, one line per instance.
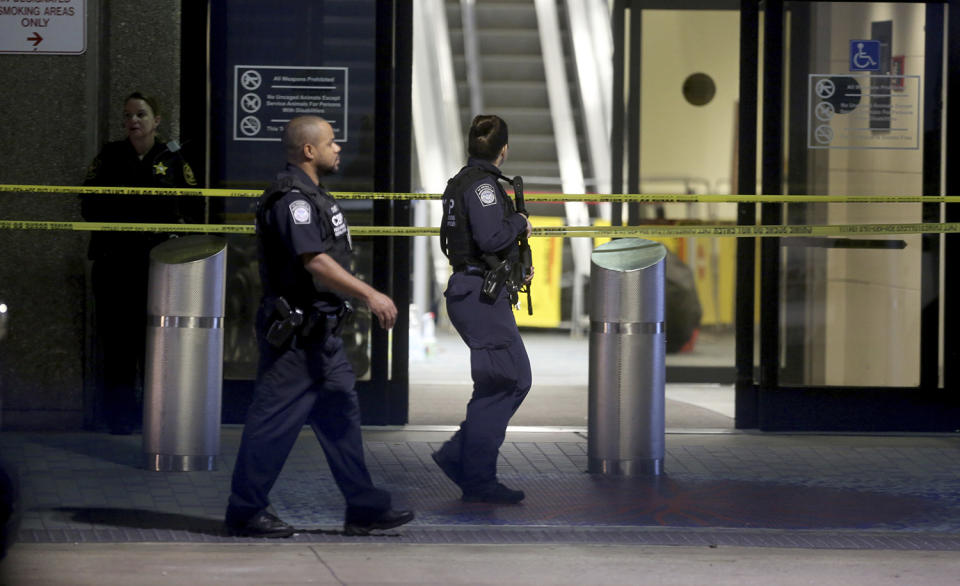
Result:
x=648 y=467
x=171 y=463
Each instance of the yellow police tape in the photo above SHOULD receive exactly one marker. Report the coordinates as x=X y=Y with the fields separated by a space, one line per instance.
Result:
x=553 y=231
x=542 y=197
x=548 y=231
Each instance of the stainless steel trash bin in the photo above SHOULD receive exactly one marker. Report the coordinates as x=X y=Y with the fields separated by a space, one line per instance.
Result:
x=184 y=364
x=625 y=423
x=4 y=318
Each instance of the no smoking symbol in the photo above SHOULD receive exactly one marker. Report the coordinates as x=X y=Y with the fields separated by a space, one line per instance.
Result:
x=824 y=134
x=250 y=125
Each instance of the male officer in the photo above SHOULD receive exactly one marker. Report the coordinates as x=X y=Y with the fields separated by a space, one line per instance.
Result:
x=480 y=230
x=303 y=375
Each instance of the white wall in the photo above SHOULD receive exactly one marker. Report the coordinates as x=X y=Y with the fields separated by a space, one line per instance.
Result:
x=679 y=139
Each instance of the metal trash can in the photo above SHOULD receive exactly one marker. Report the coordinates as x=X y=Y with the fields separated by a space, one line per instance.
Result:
x=4 y=319
x=184 y=364
x=625 y=423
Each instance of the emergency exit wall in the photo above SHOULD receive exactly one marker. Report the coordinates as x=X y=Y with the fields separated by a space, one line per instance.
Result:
x=58 y=110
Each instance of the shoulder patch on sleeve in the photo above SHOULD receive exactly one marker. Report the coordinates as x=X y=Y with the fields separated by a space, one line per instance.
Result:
x=487 y=194
x=300 y=210
x=93 y=169
x=188 y=175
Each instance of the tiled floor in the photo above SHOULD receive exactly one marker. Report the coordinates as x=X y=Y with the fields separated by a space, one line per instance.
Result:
x=848 y=491
x=719 y=486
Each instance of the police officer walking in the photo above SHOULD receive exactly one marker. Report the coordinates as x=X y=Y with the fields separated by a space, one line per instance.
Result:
x=303 y=375
x=479 y=235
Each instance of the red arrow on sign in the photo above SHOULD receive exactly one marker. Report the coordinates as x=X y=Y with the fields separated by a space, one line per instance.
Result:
x=36 y=38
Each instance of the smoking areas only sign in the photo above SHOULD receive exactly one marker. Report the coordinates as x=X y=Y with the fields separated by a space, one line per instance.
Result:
x=266 y=97
x=43 y=27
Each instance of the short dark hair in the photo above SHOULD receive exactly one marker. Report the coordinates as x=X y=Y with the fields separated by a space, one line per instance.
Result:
x=150 y=100
x=488 y=134
x=298 y=132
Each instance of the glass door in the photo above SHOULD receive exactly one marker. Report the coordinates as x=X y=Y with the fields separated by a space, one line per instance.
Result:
x=849 y=332
x=341 y=61
x=674 y=132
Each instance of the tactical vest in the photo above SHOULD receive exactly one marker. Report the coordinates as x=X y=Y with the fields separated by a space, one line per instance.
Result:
x=456 y=235
x=326 y=210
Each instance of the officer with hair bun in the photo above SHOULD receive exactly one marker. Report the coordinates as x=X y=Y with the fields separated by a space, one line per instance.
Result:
x=480 y=233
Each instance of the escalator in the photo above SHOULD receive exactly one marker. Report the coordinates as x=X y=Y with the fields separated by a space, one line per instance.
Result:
x=516 y=59
x=510 y=81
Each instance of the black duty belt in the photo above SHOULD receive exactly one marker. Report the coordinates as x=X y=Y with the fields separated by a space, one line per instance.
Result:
x=470 y=269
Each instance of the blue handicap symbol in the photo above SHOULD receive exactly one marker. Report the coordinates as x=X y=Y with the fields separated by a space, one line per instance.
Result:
x=864 y=55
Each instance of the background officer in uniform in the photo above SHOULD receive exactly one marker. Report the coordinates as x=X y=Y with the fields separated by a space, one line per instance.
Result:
x=480 y=229
x=121 y=259
x=303 y=375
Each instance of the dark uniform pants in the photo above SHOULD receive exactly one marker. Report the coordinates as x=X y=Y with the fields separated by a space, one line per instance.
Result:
x=120 y=297
x=311 y=383
x=501 y=379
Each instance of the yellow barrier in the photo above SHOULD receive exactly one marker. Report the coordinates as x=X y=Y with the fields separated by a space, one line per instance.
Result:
x=715 y=287
x=672 y=231
x=541 y=197
x=543 y=231
x=117 y=227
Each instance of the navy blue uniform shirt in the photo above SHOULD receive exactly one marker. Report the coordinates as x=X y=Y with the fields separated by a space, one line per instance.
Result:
x=494 y=224
x=118 y=165
x=305 y=220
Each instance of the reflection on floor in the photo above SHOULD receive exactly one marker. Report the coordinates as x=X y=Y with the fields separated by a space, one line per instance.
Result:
x=440 y=383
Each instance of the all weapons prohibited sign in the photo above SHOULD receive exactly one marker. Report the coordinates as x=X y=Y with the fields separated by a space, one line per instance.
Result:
x=43 y=26
x=864 y=111
x=266 y=97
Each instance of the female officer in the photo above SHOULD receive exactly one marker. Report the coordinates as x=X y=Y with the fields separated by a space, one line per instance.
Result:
x=121 y=259
x=480 y=230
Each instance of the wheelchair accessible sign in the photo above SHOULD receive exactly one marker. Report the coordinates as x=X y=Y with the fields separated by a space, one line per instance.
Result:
x=864 y=55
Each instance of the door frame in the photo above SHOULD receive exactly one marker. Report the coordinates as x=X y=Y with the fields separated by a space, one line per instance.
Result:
x=761 y=400
x=384 y=398
x=626 y=128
